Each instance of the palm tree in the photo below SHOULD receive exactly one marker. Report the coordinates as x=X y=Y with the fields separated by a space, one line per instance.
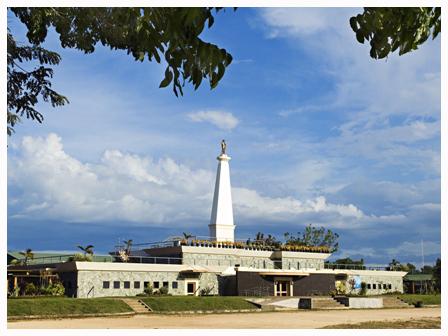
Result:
x=87 y=250
x=128 y=246
x=28 y=254
x=187 y=235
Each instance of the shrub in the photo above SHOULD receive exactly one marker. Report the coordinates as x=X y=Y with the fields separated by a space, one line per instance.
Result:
x=56 y=289
x=341 y=289
x=80 y=257
x=30 y=289
x=363 y=289
x=148 y=290
x=418 y=304
x=163 y=291
x=205 y=291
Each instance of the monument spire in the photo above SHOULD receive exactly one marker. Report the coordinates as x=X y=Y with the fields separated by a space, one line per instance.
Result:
x=221 y=226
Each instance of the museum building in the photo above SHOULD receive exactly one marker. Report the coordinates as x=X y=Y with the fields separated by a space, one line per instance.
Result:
x=218 y=265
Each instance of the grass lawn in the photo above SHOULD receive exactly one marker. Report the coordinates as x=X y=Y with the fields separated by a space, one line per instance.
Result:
x=426 y=299
x=65 y=306
x=403 y=324
x=183 y=303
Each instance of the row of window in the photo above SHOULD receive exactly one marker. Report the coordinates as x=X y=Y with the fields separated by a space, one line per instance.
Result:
x=380 y=286
x=127 y=284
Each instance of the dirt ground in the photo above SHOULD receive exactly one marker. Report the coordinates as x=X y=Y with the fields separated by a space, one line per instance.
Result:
x=266 y=320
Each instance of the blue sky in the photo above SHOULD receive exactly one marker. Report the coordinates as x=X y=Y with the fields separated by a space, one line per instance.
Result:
x=318 y=133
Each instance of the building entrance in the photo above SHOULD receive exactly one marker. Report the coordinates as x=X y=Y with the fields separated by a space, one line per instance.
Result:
x=282 y=288
x=191 y=288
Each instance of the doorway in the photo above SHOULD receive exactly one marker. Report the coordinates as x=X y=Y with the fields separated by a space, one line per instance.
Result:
x=191 y=288
x=283 y=288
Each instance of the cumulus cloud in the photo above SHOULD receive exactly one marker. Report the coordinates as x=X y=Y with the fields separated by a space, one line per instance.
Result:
x=121 y=186
x=221 y=119
x=249 y=203
x=127 y=187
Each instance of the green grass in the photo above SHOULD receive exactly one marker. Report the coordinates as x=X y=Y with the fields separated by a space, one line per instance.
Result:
x=65 y=306
x=426 y=299
x=184 y=303
x=402 y=324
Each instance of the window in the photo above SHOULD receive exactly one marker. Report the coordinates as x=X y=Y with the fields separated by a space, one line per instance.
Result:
x=384 y=286
x=369 y=286
x=156 y=284
x=145 y=284
x=136 y=284
x=298 y=265
x=127 y=284
x=390 y=286
x=165 y=284
x=116 y=284
x=174 y=284
x=106 y=284
x=374 y=286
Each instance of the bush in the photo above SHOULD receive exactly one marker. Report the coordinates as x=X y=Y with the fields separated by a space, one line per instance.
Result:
x=148 y=290
x=30 y=289
x=205 y=291
x=80 y=257
x=341 y=289
x=56 y=289
x=363 y=290
x=163 y=291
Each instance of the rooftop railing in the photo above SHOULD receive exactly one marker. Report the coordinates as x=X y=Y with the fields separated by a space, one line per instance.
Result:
x=210 y=261
x=358 y=267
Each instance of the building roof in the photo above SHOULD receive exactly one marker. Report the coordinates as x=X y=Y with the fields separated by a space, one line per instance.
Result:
x=418 y=277
x=54 y=257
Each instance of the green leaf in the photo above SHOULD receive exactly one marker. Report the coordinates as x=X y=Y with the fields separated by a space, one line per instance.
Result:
x=359 y=36
x=353 y=24
x=167 y=80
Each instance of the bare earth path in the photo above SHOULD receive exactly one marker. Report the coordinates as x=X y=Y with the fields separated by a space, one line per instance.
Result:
x=291 y=320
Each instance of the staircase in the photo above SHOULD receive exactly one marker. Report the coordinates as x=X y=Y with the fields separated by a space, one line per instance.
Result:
x=326 y=303
x=394 y=302
x=138 y=306
x=294 y=303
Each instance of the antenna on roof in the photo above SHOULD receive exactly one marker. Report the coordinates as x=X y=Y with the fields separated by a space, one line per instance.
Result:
x=423 y=255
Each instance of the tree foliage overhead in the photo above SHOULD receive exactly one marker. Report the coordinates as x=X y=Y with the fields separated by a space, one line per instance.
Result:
x=165 y=35
x=392 y=28
x=25 y=87
x=153 y=33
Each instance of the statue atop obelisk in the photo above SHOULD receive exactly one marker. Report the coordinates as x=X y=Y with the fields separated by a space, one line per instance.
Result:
x=221 y=226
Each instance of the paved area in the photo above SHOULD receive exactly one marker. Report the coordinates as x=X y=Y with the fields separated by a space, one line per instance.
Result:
x=278 y=320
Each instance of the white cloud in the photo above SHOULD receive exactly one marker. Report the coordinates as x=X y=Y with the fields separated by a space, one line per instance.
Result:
x=388 y=110
x=223 y=120
x=121 y=186
x=303 y=21
x=250 y=204
x=132 y=188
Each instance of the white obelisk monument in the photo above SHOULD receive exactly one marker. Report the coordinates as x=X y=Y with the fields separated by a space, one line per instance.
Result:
x=221 y=226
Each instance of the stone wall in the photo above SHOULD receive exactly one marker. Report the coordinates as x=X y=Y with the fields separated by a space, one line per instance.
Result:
x=383 y=283
x=260 y=262
x=227 y=260
x=90 y=283
x=302 y=263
